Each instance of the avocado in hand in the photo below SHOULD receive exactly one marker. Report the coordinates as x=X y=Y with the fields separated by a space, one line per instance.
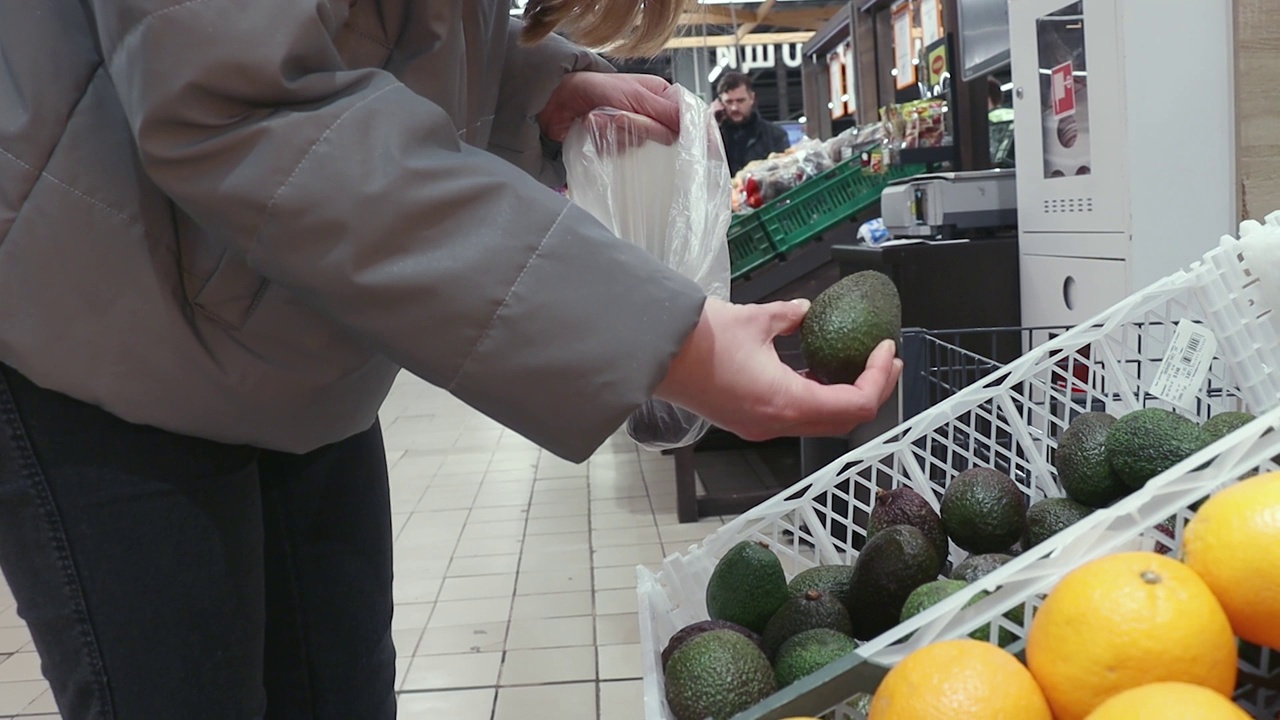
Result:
x=845 y=324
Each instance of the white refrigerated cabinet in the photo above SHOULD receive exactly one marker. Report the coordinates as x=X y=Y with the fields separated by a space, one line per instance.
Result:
x=1124 y=124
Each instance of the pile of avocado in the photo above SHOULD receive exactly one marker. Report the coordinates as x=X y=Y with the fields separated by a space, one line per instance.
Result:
x=765 y=633
x=1101 y=459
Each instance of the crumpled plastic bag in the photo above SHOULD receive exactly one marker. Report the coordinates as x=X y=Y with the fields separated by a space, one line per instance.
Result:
x=670 y=196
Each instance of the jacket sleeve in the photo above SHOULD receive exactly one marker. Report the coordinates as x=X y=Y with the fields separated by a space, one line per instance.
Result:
x=355 y=194
x=529 y=76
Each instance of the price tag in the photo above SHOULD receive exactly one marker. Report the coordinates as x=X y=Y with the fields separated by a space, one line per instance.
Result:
x=1185 y=364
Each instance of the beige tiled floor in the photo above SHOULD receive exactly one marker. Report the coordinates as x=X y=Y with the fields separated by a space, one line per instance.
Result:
x=515 y=571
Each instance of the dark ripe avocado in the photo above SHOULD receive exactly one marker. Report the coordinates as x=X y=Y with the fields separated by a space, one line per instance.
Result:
x=810 y=611
x=904 y=506
x=689 y=632
x=1081 y=460
x=830 y=579
x=976 y=566
x=893 y=563
x=1048 y=517
x=846 y=322
x=1146 y=442
x=1223 y=424
x=717 y=675
x=809 y=652
x=747 y=586
x=984 y=511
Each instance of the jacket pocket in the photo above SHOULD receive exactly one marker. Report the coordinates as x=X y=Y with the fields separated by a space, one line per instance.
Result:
x=218 y=280
x=231 y=294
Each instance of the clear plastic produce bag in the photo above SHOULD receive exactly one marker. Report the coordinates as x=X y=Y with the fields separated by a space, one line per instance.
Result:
x=669 y=195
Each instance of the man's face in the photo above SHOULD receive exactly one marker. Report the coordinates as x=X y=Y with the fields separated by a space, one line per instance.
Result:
x=738 y=104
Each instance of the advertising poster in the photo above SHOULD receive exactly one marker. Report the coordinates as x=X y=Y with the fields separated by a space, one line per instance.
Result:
x=904 y=50
x=1064 y=96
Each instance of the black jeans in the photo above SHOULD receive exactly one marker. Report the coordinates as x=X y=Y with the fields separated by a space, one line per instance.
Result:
x=165 y=577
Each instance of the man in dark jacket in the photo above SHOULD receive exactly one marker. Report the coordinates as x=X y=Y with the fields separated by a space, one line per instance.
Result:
x=747 y=136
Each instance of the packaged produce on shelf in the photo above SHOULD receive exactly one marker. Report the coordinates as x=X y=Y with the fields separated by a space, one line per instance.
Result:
x=762 y=181
x=855 y=141
x=917 y=124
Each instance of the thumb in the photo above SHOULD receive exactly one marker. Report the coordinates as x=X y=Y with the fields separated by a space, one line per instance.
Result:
x=784 y=317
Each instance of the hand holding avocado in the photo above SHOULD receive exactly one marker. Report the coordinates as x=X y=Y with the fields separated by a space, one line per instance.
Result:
x=729 y=373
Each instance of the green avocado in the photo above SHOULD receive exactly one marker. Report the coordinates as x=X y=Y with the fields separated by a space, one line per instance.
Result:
x=689 y=632
x=830 y=579
x=846 y=322
x=812 y=610
x=1146 y=442
x=1223 y=424
x=984 y=511
x=1081 y=461
x=930 y=594
x=747 y=586
x=1050 y=516
x=809 y=652
x=717 y=675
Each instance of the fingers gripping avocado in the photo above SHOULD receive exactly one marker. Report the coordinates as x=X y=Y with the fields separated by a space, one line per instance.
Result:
x=846 y=322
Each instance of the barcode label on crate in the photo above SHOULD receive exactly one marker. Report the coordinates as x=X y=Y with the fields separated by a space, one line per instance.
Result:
x=1185 y=365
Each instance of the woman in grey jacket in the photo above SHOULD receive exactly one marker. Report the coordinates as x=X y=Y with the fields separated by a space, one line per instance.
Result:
x=225 y=225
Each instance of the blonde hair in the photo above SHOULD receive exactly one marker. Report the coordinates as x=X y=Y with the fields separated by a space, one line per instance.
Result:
x=625 y=28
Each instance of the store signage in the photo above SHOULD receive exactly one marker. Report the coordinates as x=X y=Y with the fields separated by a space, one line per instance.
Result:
x=937 y=65
x=760 y=57
x=1064 y=90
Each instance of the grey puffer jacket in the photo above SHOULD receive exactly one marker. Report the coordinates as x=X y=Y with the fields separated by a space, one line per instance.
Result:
x=238 y=219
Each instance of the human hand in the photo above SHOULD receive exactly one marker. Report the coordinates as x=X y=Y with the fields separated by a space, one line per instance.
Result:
x=717 y=109
x=729 y=373
x=645 y=104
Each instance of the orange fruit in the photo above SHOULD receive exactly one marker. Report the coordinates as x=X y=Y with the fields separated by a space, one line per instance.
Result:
x=959 y=680
x=1231 y=543
x=1123 y=621
x=1168 y=701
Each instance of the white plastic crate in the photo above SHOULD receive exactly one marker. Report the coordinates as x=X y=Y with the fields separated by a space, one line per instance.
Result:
x=1010 y=420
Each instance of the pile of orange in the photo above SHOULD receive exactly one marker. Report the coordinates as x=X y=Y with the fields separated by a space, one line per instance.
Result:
x=1127 y=636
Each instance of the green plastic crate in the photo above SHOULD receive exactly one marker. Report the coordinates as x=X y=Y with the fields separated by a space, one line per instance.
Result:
x=825 y=201
x=749 y=245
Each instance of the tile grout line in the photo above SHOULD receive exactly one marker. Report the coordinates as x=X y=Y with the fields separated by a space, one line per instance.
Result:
x=413 y=655
x=506 y=635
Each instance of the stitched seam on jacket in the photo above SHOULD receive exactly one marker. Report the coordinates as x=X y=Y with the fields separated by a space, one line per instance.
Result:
x=98 y=69
x=31 y=470
x=366 y=35
x=488 y=328
x=65 y=186
x=311 y=150
x=141 y=24
x=165 y=246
